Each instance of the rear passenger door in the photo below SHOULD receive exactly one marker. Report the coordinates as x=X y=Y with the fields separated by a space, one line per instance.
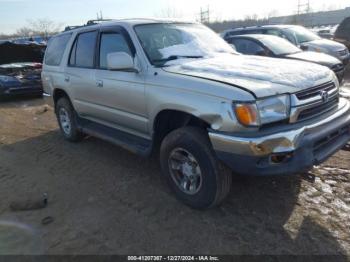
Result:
x=121 y=94
x=80 y=73
x=52 y=74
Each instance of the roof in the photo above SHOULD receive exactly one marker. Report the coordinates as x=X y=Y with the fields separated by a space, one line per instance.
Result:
x=128 y=21
x=263 y=26
x=254 y=36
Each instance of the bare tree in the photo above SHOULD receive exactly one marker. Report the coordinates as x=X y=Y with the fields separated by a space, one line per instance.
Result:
x=169 y=12
x=44 y=27
x=24 y=31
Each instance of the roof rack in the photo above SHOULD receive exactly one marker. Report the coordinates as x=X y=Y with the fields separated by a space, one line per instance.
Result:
x=97 y=21
x=89 y=23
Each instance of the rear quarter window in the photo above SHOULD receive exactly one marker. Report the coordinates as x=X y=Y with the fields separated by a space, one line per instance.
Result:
x=55 y=50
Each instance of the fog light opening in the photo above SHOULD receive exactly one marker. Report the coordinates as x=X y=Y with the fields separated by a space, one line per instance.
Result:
x=280 y=158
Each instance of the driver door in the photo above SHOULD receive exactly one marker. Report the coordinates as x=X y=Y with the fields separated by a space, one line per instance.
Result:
x=121 y=96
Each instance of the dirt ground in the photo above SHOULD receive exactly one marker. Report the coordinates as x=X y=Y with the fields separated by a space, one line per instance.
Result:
x=105 y=200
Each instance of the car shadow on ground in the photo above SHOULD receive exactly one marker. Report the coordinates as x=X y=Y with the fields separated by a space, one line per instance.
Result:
x=105 y=200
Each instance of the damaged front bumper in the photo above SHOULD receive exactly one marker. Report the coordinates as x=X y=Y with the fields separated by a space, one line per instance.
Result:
x=288 y=151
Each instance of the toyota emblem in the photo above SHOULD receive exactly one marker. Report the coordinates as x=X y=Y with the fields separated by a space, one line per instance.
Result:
x=325 y=96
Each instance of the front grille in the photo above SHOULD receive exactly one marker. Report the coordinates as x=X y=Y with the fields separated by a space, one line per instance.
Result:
x=319 y=109
x=343 y=52
x=315 y=91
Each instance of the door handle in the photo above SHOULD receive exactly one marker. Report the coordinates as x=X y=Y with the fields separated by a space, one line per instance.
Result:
x=99 y=83
x=66 y=78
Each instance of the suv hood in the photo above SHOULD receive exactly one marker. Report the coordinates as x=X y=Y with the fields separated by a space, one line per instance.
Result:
x=326 y=44
x=315 y=57
x=259 y=75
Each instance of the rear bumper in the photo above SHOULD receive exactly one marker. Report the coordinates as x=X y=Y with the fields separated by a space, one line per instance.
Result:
x=296 y=150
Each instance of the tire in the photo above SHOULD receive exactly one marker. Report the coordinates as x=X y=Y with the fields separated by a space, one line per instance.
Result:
x=207 y=190
x=69 y=129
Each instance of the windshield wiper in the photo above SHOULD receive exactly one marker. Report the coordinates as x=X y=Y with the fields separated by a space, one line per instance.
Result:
x=175 y=57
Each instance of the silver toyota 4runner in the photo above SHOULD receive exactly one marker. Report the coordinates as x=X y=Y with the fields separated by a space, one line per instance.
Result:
x=177 y=89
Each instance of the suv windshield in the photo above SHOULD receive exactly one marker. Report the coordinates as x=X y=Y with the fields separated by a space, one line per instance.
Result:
x=302 y=34
x=279 y=46
x=165 y=42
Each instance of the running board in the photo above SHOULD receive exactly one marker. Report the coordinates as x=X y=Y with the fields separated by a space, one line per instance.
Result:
x=135 y=144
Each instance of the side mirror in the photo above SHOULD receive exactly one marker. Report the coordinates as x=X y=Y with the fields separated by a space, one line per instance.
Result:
x=120 y=61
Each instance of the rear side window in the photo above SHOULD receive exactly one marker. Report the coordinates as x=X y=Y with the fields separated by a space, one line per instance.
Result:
x=83 y=50
x=279 y=33
x=252 y=31
x=233 y=33
x=110 y=43
x=247 y=47
x=55 y=49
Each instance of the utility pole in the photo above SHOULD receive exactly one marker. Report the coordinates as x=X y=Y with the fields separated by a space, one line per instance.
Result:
x=204 y=16
x=303 y=8
x=99 y=15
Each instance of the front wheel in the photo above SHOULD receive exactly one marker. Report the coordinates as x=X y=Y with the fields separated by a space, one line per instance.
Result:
x=66 y=117
x=192 y=170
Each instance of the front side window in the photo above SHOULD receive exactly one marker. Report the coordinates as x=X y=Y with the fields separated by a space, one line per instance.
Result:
x=110 y=43
x=83 y=51
x=55 y=49
x=165 y=42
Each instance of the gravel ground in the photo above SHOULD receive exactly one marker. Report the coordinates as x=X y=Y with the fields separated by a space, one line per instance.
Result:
x=105 y=200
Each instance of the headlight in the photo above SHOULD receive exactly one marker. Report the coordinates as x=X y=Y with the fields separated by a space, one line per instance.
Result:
x=264 y=111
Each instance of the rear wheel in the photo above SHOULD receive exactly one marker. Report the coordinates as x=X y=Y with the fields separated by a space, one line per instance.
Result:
x=192 y=170
x=66 y=117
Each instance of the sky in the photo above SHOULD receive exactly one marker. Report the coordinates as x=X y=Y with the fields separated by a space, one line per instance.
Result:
x=16 y=13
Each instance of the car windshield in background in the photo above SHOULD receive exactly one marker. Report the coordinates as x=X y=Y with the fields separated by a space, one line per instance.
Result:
x=302 y=34
x=279 y=46
x=165 y=42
